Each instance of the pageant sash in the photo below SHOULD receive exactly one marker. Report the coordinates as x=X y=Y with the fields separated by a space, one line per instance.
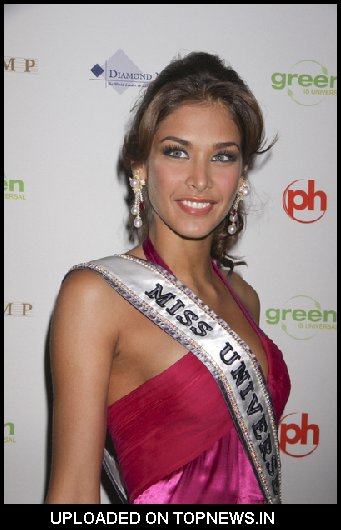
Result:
x=159 y=296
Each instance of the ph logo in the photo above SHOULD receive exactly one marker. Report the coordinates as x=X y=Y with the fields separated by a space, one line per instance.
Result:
x=304 y=205
x=298 y=439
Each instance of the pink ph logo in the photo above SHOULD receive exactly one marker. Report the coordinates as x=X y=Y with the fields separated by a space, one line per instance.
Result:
x=304 y=203
x=300 y=438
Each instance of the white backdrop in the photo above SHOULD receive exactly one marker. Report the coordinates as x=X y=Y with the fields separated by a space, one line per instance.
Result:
x=64 y=124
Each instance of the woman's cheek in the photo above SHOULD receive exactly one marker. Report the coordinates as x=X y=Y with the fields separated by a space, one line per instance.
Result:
x=163 y=183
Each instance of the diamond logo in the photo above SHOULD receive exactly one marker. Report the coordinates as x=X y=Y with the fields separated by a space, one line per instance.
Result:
x=97 y=70
x=120 y=72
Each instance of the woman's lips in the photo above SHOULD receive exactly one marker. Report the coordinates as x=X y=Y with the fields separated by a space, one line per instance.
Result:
x=195 y=207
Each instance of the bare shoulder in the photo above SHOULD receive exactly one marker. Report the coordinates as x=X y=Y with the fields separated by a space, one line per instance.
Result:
x=88 y=301
x=84 y=285
x=246 y=294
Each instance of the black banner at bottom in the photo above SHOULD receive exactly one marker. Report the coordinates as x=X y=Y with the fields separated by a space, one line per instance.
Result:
x=159 y=516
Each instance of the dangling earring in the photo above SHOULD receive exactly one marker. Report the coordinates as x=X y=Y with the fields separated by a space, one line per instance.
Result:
x=233 y=216
x=137 y=183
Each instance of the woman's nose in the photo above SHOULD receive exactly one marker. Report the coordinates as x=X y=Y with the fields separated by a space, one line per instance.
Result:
x=199 y=177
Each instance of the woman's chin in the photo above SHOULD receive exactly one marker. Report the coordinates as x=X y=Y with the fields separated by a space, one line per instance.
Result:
x=190 y=232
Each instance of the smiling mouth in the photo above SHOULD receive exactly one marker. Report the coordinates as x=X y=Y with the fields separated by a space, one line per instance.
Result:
x=195 y=204
x=195 y=207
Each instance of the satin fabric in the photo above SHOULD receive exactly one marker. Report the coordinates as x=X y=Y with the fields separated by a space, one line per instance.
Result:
x=174 y=436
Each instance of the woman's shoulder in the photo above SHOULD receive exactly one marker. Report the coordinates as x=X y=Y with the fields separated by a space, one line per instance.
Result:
x=84 y=283
x=91 y=279
x=246 y=293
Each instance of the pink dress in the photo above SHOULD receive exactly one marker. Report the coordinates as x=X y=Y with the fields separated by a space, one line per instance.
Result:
x=174 y=437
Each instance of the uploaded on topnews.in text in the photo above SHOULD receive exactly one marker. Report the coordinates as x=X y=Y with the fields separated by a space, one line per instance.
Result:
x=163 y=518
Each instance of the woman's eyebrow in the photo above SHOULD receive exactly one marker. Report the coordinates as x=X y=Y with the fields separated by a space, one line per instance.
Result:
x=181 y=141
x=176 y=139
x=225 y=144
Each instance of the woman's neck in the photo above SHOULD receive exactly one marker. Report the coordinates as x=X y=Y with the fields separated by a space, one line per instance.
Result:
x=188 y=259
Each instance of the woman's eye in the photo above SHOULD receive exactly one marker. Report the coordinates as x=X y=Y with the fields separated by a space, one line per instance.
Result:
x=175 y=152
x=224 y=157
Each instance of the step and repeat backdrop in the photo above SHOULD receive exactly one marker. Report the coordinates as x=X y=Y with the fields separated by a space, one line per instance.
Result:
x=72 y=75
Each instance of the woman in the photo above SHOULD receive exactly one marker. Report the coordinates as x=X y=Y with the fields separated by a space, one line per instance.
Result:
x=192 y=403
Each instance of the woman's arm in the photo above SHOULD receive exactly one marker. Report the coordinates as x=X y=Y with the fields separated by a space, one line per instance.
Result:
x=83 y=342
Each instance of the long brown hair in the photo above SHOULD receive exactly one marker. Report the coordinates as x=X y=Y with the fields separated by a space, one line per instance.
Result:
x=197 y=77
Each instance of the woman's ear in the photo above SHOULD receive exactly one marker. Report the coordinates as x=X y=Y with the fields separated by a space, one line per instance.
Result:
x=139 y=170
x=243 y=176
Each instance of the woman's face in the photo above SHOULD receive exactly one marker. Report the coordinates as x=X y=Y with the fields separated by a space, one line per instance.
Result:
x=194 y=168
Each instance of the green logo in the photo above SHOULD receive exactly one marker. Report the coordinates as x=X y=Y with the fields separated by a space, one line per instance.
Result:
x=14 y=189
x=9 y=433
x=306 y=83
x=302 y=317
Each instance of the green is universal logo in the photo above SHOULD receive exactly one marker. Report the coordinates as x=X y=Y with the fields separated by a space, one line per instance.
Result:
x=302 y=317
x=9 y=433
x=307 y=83
x=14 y=189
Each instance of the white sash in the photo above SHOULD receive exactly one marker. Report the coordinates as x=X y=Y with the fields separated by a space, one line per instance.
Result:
x=179 y=312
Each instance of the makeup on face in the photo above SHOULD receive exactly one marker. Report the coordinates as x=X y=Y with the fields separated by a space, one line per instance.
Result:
x=194 y=167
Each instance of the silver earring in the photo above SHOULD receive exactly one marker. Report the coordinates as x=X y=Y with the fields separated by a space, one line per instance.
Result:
x=233 y=216
x=137 y=184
